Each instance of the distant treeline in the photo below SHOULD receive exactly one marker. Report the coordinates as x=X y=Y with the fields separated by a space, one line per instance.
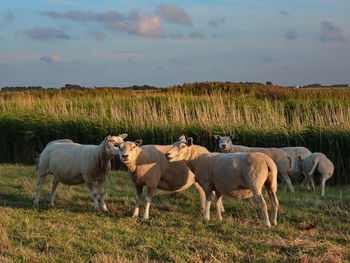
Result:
x=21 y=88
x=77 y=87
x=197 y=88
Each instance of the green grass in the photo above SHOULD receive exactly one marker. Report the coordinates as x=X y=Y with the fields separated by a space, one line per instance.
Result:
x=72 y=231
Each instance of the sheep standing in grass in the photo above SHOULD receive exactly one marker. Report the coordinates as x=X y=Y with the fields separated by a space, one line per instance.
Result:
x=238 y=175
x=316 y=162
x=72 y=163
x=149 y=167
x=294 y=153
x=281 y=158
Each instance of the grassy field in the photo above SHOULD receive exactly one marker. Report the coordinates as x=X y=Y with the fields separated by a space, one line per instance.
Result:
x=72 y=231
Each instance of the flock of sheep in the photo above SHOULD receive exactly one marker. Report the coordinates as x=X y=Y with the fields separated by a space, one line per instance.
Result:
x=238 y=171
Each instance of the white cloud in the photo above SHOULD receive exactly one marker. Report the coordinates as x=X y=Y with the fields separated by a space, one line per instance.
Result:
x=135 y=23
x=174 y=14
x=44 y=33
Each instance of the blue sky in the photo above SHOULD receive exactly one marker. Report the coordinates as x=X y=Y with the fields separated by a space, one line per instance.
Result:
x=162 y=43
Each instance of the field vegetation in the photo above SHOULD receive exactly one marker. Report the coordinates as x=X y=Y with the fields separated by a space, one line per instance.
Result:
x=310 y=228
x=259 y=115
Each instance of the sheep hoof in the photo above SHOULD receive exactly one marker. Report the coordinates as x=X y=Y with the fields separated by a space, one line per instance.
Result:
x=104 y=208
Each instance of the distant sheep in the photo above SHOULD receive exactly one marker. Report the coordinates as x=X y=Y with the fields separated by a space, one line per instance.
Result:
x=149 y=167
x=316 y=162
x=72 y=163
x=294 y=153
x=237 y=175
x=281 y=158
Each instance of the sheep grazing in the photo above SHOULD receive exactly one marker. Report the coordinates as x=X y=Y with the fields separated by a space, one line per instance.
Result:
x=72 y=163
x=315 y=162
x=238 y=175
x=294 y=153
x=281 y=158
x=149 y=167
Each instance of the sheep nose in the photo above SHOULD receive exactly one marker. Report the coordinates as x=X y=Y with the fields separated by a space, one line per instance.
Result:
x=125 y=155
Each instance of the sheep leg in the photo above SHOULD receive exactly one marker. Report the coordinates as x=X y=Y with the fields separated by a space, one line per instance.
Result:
x=150 y=192
x=219 y=202
x=287 y=180
x=221 y=205
x=218 y=205
x=138 y=189
x=306 y=182
x=284 y=186
x=262 y=203
x=207 y=205
x=39 y=185
x=323 y=184
x=275 y=205
x=201 y=196
x=53 y=191
x=308 y=185
x=311 y=180
x=94 y=195
x=101 y=193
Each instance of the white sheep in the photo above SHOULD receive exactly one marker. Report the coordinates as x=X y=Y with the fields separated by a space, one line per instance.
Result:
x=315 y=162
x=281 y=158
x=149 y=167
x=72 y=163
x=237 y=175
x=294 y=153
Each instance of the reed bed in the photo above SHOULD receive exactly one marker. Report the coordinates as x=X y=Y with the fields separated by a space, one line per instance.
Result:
x=259 y=116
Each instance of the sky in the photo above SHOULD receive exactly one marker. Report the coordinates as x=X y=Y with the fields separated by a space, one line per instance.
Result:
x=51 y=43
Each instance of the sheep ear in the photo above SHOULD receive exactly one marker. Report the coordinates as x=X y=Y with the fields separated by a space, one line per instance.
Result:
x=123 y=135
x=190 y=141
x=182 y=138
x=107 y=139
x=138 y=142
x=216 y=137
x=232 y=137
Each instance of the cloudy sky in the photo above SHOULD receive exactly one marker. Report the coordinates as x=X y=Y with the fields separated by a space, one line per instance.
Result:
x=130 y=42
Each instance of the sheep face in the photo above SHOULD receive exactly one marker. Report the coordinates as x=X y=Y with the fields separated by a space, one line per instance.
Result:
x=127 y=151
x=180 y=150
x=225 y=142
x=110 y=142
x=298 y=168
x=115 y=140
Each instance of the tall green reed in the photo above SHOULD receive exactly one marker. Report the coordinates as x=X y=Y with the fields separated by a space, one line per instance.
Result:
x=28 y=120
